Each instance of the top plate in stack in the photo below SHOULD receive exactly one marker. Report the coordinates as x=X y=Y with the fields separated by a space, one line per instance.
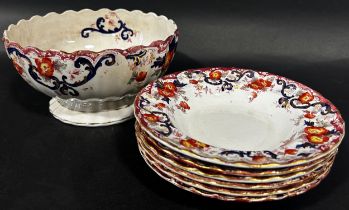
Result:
x=240 y=118
x=237 y=121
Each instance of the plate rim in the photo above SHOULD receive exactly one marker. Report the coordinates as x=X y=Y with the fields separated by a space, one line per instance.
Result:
x=295 y=160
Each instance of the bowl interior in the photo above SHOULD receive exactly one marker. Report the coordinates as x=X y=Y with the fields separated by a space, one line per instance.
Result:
x=91 y=30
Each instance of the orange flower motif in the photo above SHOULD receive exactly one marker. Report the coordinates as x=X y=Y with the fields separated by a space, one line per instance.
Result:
x=170 y=86
x=255 y=86
x=191 y=143
x=168 y=59
x=259 y=158
x=317 y=139
x=151 y=117
x=259 y=84
x=215 y=75
x=290 y=151
x=316 y=135
x=44 y=66
x=184 y=105
x=194 y=82
x=265 y=83
x=160 y=105
x=169 y=89
x=309 y=115
x=312 y=130
x=111 y=22
x=141 y=76
x=166 y=93
x=306 y=97
x=18 y=68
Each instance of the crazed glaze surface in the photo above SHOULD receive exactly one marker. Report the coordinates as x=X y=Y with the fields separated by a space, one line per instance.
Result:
x=305 y=124
x=91 y=54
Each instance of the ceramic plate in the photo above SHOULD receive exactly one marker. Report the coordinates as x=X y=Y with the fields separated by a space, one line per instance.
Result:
x=239 y=117
x=232 y=191
x=216 y=195
x=232 y=178
x=166 y=153
x=228 y=184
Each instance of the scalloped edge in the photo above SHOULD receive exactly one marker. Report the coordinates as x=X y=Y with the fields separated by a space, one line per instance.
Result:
x=8 y=42
x=242 y=163
x=227 y=198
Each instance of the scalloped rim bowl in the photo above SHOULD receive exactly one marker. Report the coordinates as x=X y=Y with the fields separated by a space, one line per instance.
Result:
x=66 y=37
x=92 y=63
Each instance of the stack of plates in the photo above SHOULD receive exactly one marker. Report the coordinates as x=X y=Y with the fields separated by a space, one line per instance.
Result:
x=236 y=134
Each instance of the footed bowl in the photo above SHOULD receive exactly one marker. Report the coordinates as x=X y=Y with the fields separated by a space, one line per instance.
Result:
x=92 y=63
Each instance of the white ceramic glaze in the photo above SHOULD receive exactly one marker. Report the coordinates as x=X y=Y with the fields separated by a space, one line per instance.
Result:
x=92 y=61
x=230 y=116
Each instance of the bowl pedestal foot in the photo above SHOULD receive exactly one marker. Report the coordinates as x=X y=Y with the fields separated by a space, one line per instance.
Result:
x=90 y=119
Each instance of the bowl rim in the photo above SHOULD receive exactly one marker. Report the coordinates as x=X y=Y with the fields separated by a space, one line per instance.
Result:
x=155 y=43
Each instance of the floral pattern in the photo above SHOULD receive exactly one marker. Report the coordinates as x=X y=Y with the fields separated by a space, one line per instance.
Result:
x=306 y=97
x=18 y=68
x=259 y=84
x=152 y=118
x=160 y=105
x=309 y=115
x=144 y=58
x=69 y=74
x=164 y=61
x=44 y=66
x=192 y=143
x=317 y=135
x=141 y=76
x=215 y=75
x=109 y=24
x=319 y=125
x=184 y=105
x=167 y=89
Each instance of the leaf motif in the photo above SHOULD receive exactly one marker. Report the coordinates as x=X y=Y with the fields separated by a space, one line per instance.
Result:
x=178 y=84
x=159 y=84
x=166 y=99
x=308 y=123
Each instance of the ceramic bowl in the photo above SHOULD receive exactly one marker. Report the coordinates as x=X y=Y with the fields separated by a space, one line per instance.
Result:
x=239 y=118
x=92 y=63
